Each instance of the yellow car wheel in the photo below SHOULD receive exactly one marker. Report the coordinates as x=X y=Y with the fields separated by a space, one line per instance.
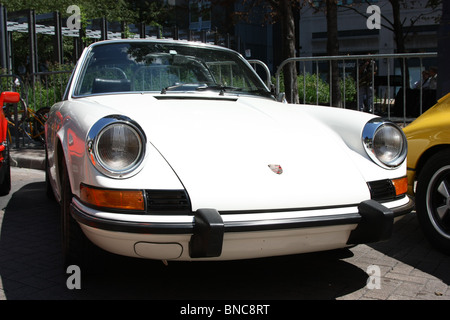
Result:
x=433 y=200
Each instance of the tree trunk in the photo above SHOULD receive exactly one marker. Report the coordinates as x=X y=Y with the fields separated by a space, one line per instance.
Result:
x=333 y=50
x=288 y=50
x=399 y=38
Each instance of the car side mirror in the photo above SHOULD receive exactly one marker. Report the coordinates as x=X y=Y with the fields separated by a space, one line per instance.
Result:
x=281 y=97
x=9 y=97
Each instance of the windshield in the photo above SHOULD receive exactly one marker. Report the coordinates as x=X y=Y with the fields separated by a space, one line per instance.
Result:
x=165 y=68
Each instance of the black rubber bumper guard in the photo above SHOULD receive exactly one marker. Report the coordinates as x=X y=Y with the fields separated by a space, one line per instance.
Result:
x=375 y=224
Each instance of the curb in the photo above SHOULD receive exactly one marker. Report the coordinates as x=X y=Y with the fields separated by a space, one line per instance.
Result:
x=28 y=158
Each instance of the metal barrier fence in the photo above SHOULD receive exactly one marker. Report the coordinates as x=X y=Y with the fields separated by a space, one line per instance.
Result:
x=46 y=88
x=11 y=82
x=37 y=91
x=392 y=95
x=255 y=63
x=41 y=89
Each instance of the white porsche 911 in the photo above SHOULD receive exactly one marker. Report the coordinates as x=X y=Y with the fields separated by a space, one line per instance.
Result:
x=175 y=150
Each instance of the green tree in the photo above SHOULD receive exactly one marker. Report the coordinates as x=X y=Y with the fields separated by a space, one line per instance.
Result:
x=133 y=11
x=111 y=9
x=330 y=8
x=150 y=12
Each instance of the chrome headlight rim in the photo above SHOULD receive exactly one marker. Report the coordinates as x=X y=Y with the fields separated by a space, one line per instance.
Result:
x=369 y=134
x=93 y=139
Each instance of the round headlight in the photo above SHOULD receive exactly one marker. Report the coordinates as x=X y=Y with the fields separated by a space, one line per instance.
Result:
x=116 y=146
x=385 y=143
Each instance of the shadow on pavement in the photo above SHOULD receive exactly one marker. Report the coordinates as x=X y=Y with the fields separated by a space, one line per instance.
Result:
x=409 y=246
x=31 y=267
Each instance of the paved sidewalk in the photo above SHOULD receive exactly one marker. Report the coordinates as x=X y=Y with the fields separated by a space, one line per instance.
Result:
x=406 y=267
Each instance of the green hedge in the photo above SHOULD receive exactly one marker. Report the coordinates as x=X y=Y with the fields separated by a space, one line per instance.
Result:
x=44 y=91
x=309 y=85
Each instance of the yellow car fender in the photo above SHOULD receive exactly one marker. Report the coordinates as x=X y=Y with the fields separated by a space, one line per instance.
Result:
x=427 y=134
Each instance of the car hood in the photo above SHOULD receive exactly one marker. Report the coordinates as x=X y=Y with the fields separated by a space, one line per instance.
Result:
x=221 y=149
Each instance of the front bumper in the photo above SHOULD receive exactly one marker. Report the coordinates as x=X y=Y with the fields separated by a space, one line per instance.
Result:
x=205 y=234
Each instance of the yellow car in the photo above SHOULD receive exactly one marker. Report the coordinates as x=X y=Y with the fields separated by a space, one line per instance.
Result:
x=429 y=171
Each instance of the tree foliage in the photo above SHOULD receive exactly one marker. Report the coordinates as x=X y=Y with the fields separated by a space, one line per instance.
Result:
x=132 y=11
x=150 y=12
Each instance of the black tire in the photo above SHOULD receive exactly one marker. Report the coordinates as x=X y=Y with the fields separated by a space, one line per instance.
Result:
x=5 y=173
x=76 y=248
x=433 y=200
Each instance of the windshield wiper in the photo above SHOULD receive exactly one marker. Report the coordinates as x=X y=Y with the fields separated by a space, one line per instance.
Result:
x=220 y=87
x=183 y=87
x=223 y=89
x=200 y=87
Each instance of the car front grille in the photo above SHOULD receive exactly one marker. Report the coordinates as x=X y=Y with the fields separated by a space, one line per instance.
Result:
x=168 y=202
x=381 y=190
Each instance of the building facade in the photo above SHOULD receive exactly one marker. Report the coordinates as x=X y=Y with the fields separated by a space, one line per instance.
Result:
x=366 y=27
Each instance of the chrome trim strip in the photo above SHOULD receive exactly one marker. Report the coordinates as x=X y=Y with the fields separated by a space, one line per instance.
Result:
x=232 y=223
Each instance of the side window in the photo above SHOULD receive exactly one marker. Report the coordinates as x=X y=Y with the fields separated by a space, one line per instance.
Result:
x=106 y=70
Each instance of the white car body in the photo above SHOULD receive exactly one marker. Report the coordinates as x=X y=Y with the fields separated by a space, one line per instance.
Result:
x=219 y=149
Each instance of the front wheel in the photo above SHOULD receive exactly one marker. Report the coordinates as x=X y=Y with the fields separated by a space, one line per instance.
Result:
x=77 y=249
x=433 y=200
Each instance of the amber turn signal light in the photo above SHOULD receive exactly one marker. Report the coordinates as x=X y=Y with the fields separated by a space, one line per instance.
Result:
x=113 y=198
x=400 y=185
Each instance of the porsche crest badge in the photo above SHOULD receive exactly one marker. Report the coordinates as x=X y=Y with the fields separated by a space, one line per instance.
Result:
x=276 y=168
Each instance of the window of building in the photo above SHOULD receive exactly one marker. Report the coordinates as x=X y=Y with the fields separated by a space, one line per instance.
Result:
x=200 y=14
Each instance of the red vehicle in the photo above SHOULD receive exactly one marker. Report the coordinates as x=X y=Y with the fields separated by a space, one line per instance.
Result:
x=5 y=171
